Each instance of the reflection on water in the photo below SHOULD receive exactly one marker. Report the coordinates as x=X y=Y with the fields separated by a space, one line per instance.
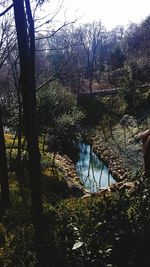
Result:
x=92 y=171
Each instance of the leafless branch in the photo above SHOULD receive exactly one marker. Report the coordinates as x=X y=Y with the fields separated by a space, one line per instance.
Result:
x=6 y=10
x=50 y=20
x=6 y=56
x=54 y=32
x=52 y=49
x=54 y=75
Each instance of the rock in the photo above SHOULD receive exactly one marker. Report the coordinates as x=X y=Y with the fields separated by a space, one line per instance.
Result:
x=102 y=192
x=124 y=176
x=128 y=120
x=87 y=195
x=131 y=186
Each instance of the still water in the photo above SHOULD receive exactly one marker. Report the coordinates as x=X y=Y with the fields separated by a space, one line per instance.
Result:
x=91 y=170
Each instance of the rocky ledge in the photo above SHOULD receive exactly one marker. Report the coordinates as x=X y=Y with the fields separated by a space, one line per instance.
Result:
x=76 y=188
x=110 y=158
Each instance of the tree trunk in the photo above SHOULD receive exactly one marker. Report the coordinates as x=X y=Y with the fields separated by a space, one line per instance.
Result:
x=27 y=68
x=5 y=196
x=19 y=167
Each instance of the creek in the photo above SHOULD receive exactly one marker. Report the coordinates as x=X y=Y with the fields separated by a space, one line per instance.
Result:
x=94 y=174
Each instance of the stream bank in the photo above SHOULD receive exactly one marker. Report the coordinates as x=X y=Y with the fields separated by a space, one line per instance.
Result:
x=124 y=158
x=76 y=188
x=119 y=149
x=110 y=157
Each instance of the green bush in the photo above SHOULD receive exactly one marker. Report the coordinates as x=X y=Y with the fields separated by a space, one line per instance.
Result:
x=17 y=247
x=112 y=231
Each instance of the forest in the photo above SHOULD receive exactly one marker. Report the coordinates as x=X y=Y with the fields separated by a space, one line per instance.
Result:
x=74 y=140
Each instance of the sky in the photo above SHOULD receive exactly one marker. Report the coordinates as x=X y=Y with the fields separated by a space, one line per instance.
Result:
x=110 y=12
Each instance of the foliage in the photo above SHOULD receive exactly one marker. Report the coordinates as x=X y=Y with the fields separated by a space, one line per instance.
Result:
x=58 y=113
x=116 y=58
x=93 y=108
x=17 y=247
x=53 y=101
x=134 y=96
x=108 y=231
x=105 y=232
x=100 y=110
x=16 y=231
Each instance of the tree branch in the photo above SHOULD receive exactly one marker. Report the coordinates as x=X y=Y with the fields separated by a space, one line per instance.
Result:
x=54 y=32
x=6 y=10
x=54 y=75
x=52 y=49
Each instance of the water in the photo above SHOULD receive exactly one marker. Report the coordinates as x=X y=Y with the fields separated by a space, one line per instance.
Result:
x=91 y=170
